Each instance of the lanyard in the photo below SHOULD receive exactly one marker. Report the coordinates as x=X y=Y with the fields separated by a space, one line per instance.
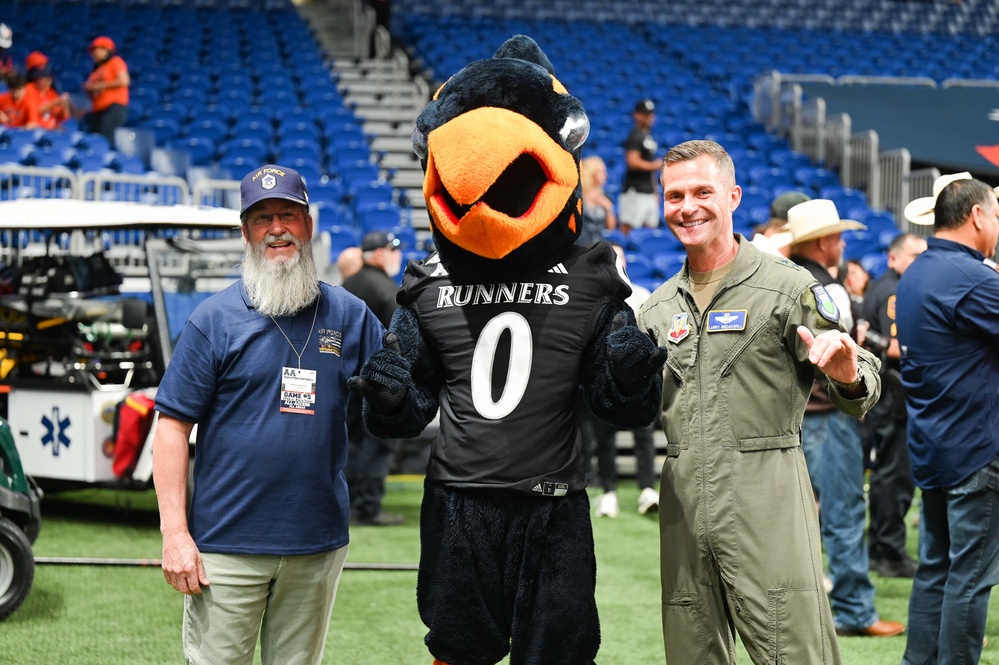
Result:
x=298 y=353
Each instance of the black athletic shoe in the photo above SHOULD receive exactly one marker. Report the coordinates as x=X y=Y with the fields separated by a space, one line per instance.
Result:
x=381 y=519
x=895 y=567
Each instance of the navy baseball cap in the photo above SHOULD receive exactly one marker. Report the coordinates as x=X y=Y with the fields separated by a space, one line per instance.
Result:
x=377 y=239
x=272 y=182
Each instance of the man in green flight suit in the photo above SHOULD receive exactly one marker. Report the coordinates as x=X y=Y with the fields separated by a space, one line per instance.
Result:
x=747 y=333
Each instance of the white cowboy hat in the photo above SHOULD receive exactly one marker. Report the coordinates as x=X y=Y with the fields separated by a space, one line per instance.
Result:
x=920 y=211
x=815 y=219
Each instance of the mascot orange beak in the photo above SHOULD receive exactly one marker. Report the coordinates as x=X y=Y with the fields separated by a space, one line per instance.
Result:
x=475 y=160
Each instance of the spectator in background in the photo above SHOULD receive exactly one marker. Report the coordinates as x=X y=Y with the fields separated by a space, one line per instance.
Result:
x=52 y=108
x=772 y=236
x=261 y=367
x=35 y=60
x=947 y=312
x=349 y=261
x=370 y=459
x=18 y=106
x=598 y=210
x=600 y=437
x=830 y=438
x=892 y=486
x=638 y=204
x=738 y=529
x=7 y=67
x=107 y=86
x=856 y=281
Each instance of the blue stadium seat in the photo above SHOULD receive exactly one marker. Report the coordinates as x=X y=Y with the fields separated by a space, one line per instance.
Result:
x=669 y=263
x=135 y=142
x=639 y=266
x=201 y=149
x=383 y=216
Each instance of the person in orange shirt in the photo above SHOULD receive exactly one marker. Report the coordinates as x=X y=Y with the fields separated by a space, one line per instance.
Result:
x=52 y=107
x=18 y=106
x=107 y=86
x=35 y=60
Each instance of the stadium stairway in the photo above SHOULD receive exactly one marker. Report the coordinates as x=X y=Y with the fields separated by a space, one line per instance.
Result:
x=381 y=91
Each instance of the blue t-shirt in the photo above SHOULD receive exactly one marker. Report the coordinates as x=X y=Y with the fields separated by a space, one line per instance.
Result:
x=947 y=313
x=268 y=481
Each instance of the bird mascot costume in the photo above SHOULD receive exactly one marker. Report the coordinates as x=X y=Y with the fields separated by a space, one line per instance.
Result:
x=497 y=330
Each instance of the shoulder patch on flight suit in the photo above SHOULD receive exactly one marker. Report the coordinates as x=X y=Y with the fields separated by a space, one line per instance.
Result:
x=781 y=261
x=826 y=306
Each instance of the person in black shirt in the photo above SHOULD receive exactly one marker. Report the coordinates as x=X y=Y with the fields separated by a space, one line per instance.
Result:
x=892 y=486
x=638 y=204
x=370 y=459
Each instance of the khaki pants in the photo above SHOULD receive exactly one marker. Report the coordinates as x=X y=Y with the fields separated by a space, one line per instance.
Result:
x=288 y=600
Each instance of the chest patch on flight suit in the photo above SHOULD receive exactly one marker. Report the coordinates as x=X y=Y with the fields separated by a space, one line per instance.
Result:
x=826 y=306
x=726 y=320
x=679 y=328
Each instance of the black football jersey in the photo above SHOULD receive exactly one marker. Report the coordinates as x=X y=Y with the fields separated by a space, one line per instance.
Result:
x=511 y=355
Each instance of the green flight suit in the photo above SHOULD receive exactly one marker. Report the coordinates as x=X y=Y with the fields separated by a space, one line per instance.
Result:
x=739 y=533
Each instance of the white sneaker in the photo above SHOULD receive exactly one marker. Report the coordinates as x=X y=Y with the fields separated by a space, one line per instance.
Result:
x=648 y=501
x=607 y=505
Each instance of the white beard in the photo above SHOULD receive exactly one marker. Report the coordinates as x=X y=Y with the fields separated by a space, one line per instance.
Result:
x=280 y=287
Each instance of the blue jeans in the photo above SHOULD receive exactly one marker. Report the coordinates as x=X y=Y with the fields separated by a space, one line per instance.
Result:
x=958 y=566
x=835 y=459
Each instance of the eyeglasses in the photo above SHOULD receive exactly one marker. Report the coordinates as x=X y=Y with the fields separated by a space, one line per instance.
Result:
x=291 y=216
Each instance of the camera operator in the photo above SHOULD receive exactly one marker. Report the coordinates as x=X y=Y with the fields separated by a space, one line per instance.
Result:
x=892 y=485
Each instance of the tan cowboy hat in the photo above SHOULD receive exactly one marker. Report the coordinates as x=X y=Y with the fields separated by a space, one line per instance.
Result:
x=920 y=211
x=815 y=219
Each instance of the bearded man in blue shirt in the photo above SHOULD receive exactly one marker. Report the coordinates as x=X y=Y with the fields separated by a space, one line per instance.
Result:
x=261 y=367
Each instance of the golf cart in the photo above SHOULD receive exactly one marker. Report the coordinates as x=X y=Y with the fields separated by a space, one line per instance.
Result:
x=93 y=296
x=20 y=521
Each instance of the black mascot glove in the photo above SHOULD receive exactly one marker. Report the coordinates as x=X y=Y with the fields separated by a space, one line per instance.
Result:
x=385 y=377
x=634 y=358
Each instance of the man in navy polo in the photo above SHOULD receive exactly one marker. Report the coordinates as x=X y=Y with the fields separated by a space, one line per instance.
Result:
x=947 y=311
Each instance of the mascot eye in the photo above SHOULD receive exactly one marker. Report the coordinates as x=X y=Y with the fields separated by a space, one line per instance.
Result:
x=420 y=143
x=573 y=132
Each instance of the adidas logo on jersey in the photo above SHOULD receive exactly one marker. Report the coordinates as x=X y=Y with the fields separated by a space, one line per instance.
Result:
x=558 y=269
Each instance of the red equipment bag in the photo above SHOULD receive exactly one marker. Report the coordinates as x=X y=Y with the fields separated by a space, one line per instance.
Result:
x=133 y=418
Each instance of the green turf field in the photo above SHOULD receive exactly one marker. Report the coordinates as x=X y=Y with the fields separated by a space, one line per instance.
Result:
x=90 y=615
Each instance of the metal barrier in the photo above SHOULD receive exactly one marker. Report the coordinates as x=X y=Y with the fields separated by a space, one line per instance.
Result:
x=864 y=173
x=789 y=116
x=837 y=145
x=29 y=182
x=150 y=188
x=216 y=193
x=809 y=136
x=894 y=166
x=766 y=100
x=920 y=184
x=885 y=178
x=969 y=83
x=850 y=79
